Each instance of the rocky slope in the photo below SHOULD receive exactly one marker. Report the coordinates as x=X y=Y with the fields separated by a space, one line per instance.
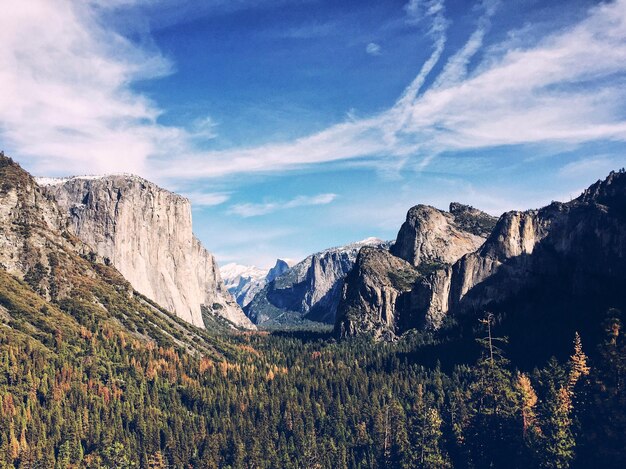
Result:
x=543 y=271
x=146 y=233
x=310 y=290
x=244 y=282
x=377 y=295
x=544 y=274
x=53 y=284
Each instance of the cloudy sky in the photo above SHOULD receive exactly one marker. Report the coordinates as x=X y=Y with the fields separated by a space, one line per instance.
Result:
x=295 y=125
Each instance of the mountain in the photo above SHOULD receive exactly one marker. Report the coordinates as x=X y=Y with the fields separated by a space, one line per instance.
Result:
x=146 y=233
x=54 y=285
x=308 y=291
x=543 y=274
x=281 y=266
x=243 y=282
x=376 y=297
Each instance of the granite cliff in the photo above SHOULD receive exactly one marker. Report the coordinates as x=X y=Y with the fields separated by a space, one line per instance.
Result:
x=432 y=236
x=377 y=297
x=375 y=294
x=146 y=233
x=53 y=284
x=544 y=273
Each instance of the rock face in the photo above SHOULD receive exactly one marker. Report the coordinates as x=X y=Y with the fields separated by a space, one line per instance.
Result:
x=433 y=236
x=310 y=290
x=544 y=274
x=281 y=266
x=64 y=286
x=377 y=297
x=146 y=233
x=244 y=282
x=570 y=253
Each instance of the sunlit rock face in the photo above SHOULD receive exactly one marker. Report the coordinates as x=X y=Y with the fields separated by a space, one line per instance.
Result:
x=430 y=235
x=146 y=233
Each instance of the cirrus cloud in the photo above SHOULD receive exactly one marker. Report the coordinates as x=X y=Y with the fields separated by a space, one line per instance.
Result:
x=567 y=87
x=253 y=209
x=68 y=104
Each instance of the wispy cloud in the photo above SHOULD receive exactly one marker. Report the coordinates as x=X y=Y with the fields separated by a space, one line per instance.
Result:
x=562 y=89
x=67 y=102
x=66 y=99
x=456 y=67
x=207 y=199
x=373 y=49
x=253 y=210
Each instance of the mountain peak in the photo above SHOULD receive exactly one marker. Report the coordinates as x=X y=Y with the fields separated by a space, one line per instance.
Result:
x=279 y=268
x=430 y=235
x=610 y=191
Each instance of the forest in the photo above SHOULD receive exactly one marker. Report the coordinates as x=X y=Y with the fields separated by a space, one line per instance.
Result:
x=83 y=392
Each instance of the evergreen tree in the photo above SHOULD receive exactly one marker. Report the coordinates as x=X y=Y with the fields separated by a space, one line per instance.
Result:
x=604 y=417
x=558 y=439
x=493 y=437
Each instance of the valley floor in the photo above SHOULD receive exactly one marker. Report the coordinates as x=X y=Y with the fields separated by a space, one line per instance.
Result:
x=100 y=397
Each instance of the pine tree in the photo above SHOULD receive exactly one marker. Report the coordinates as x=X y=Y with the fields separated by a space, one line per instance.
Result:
x=493 y=436
x=528 y=403
x=578 y=365
x=431 y=454
x=604 y=418
x=557 y=428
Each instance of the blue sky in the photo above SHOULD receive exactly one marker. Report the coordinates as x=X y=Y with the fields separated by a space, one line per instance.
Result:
x=297 y=125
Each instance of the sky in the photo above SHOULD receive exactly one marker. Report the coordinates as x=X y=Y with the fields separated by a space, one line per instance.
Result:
x=297 y=125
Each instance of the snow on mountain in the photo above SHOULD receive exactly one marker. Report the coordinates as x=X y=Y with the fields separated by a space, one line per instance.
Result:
x=231 y=273
x=245 y=281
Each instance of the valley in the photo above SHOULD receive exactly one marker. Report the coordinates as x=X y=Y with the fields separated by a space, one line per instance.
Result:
x=418 y=372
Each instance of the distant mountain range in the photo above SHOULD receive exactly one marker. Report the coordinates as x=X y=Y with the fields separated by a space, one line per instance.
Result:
x=310 y=290
x=244 y=282
x=540 y=272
